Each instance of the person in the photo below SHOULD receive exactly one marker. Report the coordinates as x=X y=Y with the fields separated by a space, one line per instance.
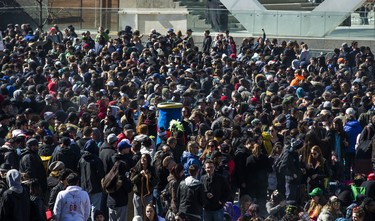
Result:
x=61 y=185
x=73 y=203
x=216 y=190
x=91 y=171
x=358 y=214
x=207 y=41
x=317 y=169
x=191 y=195
x=37 y=208
x=15 y=199
x=190 y=157
x=352 y=128
x=175 y=176
x=276 y=205
x=288 y=165
x=117 y=186
x=142 y=176
x=32 y=165
x=368 y=206
x=330 y=211
x=313 y=206
x=150 y=214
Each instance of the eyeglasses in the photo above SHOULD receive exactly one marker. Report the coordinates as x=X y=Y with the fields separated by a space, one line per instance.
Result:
x=211 y=145
x=314 y=153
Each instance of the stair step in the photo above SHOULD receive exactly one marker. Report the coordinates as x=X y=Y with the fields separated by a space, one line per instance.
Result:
x=281 y=1
x=289 y=7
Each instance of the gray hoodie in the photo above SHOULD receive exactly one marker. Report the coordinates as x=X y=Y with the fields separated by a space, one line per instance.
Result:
x=13 y=178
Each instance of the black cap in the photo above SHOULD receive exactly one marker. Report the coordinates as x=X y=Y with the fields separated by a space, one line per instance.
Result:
x=32 y=142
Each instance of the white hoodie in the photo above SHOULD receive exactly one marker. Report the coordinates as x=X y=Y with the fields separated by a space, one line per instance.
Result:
x=72 y=204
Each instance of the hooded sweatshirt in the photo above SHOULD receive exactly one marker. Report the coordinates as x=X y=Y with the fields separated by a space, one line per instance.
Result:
x=191 y=197
x=15 y=199
x=72 y=204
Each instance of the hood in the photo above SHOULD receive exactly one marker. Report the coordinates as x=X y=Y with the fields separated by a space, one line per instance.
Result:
x=352 y=123
x=187 y=154
x=74 y=190
x=91 y=147
x=87 y=155
x=192 y=182
x=13 y=178
x=26 y=151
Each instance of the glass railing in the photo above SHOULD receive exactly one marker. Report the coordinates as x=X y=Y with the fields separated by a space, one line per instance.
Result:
x=275 y=23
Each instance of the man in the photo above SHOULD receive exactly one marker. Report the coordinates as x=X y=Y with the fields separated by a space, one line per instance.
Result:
x=31 y=164
x=107 y=150
x=352 y=128
x=8 y=153
x=15 y=203
x=72 y=203
x=67 y=154
x=190 y=157
x=191 y=196
x=216 y=190
x=207 y=41
x=91 y=171
x=188 y=39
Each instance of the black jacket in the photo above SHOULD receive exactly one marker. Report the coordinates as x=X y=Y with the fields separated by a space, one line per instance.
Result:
x=219 y=187
x=91 y=171
x=105 y=154
x=68 y=156
x=191 y=197
x=10 y=156
x=119 y=196
x=15 y=206
x=32 y=165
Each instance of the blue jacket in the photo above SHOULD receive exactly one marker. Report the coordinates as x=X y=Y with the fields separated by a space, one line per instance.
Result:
x=188 y=159
x=352 y=128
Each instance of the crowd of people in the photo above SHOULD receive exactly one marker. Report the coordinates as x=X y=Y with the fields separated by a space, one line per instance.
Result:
x=267 y=131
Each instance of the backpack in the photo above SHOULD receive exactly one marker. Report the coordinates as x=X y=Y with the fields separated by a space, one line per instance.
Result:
x=45 y=161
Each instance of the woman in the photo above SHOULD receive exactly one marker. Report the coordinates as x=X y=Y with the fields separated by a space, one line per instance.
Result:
x=143 y=180
x=317 y=169
x=174 y=179
x=338 y=139
x=276 y=205
x=201 y=141
x=150 y=214
x=117 y=185
x=313 y=207
x=211 y=147
x=258 y=166
x=37 y=208
x=330 y=211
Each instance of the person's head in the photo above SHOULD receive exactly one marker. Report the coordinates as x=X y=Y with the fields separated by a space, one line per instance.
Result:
x=315 y=155
x=316 y=194
x=193 y=170
x=245 y=202
x=72 y=179
x=358 y=214
x=193 y=147
x=145 y=160
x=99 y=215
x=150 y=213
x=209 y=166
x=368 y=205
x=33 y=144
